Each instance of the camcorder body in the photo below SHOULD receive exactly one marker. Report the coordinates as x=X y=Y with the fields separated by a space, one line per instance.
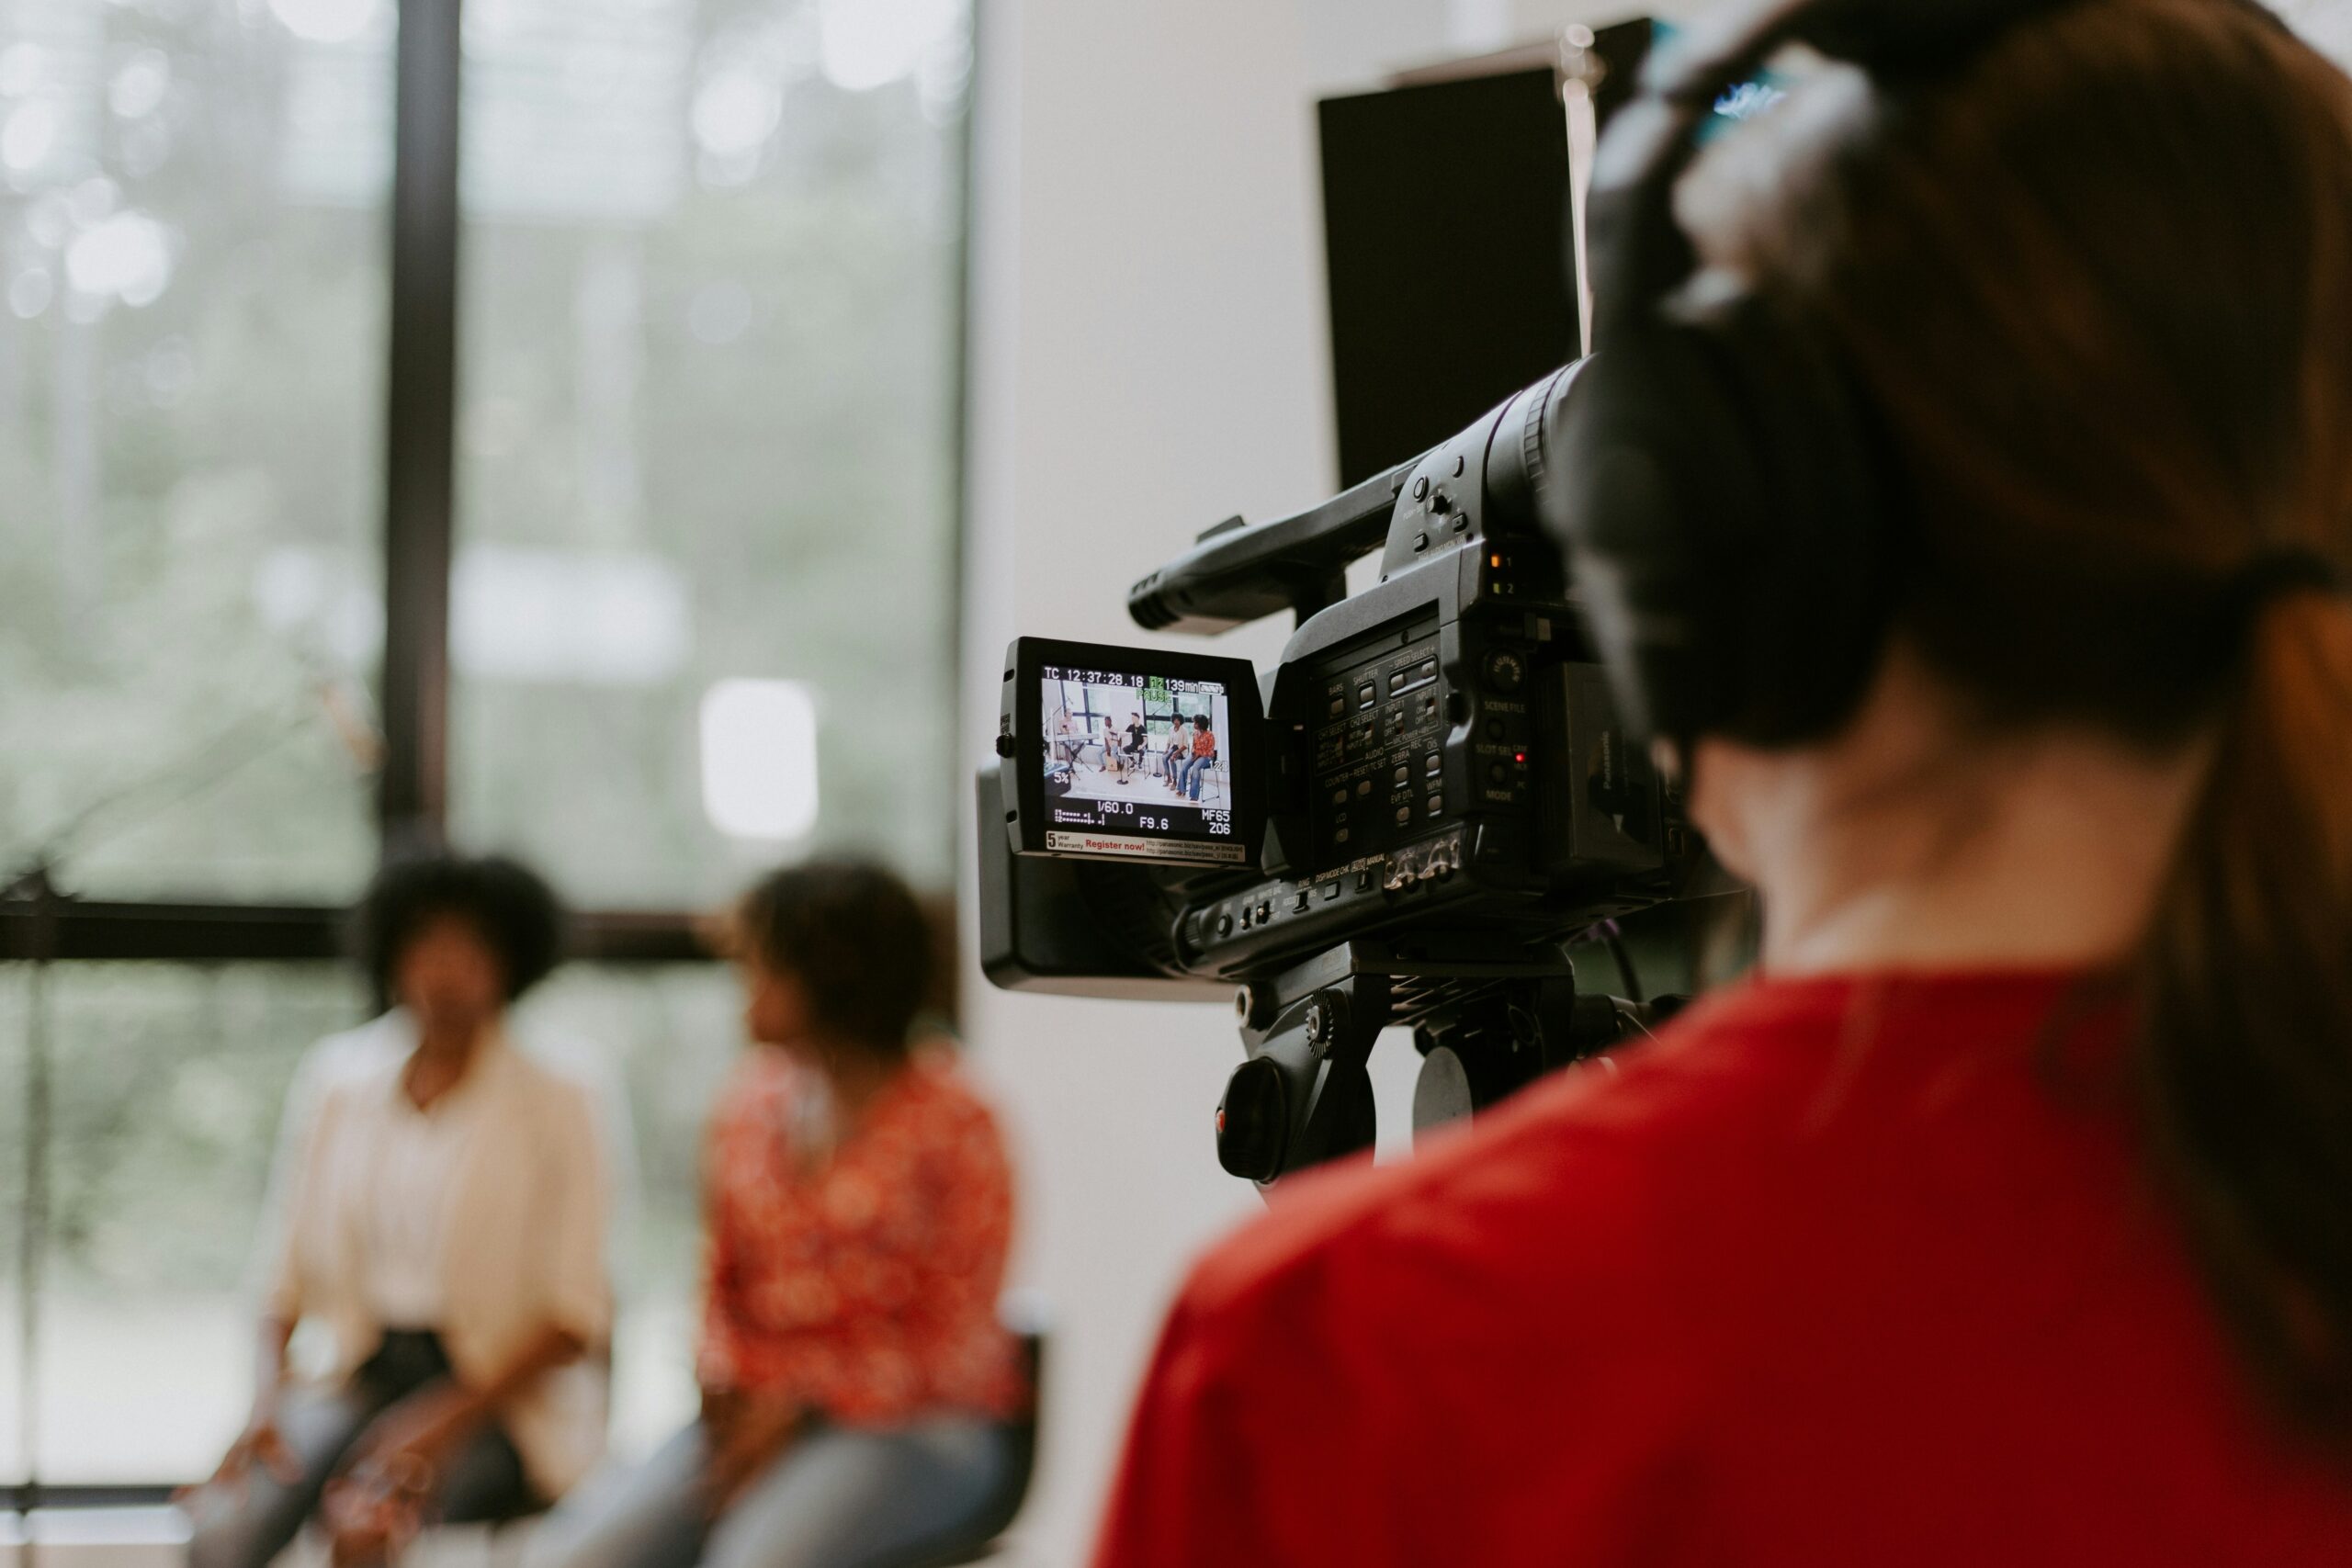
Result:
x=1406 y=822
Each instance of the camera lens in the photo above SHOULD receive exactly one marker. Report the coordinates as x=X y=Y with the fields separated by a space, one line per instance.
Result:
x=1516 y=462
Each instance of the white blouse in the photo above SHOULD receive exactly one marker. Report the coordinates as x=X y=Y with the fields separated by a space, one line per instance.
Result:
x=410 y=1187
x=484 y=1218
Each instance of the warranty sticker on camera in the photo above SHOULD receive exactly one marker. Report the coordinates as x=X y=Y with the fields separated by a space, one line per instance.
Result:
x=1146 y=849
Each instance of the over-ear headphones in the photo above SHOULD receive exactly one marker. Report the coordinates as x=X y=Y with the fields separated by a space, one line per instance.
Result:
x=1721 y=492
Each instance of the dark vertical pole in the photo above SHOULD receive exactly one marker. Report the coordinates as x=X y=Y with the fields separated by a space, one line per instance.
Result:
x=33 y=1235
x=421 y=420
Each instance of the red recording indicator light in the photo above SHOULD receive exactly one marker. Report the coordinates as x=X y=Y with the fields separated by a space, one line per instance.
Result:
x=1519 y=757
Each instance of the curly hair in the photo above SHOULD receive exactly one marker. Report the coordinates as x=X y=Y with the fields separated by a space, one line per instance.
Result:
x=508 y=904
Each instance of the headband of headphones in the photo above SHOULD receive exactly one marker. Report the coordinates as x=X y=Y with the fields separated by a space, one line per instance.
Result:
x=1639 y=252
x=1723 y=494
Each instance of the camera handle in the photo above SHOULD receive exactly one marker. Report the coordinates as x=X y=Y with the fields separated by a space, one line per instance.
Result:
x=1236 y=571
x=1302 y=1095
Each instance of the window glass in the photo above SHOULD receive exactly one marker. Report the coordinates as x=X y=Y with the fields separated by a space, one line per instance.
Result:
x=705 y=573
x=191 y=319
x=167 y=1081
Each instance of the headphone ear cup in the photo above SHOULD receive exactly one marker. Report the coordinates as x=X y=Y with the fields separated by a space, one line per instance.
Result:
x=1647 y=451
x=1830 y=523
x=1717 y=508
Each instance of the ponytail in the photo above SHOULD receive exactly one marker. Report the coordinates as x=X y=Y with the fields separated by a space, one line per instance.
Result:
x=2245 y=995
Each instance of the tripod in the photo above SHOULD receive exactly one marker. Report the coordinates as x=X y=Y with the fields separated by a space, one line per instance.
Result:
x=1486 y=1027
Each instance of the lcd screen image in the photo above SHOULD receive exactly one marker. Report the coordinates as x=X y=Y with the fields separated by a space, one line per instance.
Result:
x=1137 y=764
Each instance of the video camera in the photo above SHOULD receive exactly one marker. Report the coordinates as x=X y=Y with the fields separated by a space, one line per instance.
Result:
x=1406 y=822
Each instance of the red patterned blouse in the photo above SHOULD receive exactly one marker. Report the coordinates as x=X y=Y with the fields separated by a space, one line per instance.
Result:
x=865 y=1285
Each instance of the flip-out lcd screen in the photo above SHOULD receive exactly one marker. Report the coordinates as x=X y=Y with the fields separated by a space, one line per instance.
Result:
x=1131 y=754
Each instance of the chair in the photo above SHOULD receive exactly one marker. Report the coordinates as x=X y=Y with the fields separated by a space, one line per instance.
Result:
x=985 y=1538
x=1211 y=772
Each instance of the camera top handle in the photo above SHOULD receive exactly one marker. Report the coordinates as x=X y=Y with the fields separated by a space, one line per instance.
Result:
x=1237 y=572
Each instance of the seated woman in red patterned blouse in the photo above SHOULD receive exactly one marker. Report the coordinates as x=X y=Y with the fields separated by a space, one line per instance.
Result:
x=855 y=1379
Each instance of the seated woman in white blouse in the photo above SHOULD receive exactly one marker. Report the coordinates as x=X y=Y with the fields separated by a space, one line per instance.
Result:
x=440 y=1205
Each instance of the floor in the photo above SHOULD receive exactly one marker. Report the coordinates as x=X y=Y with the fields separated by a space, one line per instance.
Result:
x=1092 y=783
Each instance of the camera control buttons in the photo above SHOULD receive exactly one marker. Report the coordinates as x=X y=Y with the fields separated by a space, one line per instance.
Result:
x=1404 y=815
x=1437 y=805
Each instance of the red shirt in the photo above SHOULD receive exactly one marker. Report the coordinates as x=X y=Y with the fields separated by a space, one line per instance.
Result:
x=863 y=1285
x=1837 y=1273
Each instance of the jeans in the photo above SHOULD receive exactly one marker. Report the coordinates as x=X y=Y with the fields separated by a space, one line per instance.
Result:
x=247 y=1525
x=1193 y=769
x=839 y=1497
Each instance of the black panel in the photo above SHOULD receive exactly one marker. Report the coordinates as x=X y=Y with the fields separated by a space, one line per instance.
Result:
x=1624 y=50
x=1444 y=211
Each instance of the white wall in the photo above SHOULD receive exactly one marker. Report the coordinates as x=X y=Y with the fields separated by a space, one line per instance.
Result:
x=1149 y=358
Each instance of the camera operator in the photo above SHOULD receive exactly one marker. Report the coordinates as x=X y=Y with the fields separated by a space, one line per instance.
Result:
x=2005 y=1216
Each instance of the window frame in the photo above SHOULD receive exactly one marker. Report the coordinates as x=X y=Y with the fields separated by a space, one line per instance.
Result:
x=41 y=924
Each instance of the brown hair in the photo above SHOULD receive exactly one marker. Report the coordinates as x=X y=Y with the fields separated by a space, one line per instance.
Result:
x=853 y=936
x=2097 y=282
